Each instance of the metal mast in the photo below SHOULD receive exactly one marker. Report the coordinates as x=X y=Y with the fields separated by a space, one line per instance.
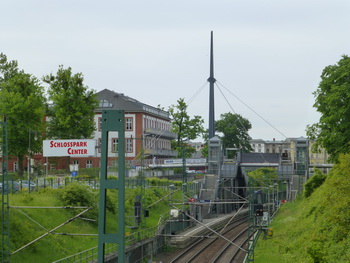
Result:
x=211 y=80
x=112 y=120
x=5 y=205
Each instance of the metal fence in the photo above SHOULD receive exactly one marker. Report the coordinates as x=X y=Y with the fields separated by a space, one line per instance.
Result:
x=61 y=182
x=90 y=255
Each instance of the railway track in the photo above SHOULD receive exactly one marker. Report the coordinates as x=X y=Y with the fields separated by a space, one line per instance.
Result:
x=226 y=247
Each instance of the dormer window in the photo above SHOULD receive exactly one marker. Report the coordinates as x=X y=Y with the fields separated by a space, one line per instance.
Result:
x=105 y=104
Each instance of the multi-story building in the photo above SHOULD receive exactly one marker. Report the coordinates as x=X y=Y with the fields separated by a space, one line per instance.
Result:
x=148 y=133
x=148 y=136
x=317 y=157
x=274 y=146
x=288 y=150
x=258 y=145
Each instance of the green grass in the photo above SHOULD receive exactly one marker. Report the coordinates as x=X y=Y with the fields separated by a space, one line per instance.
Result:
x=53 y=247
x=314 y=229
x=272 y=248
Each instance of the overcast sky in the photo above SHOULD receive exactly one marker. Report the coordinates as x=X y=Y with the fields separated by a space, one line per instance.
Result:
x=268 y=54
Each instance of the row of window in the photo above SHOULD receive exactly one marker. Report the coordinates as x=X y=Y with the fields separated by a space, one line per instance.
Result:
x=114 y=145
x=154 y=123
x=129 y=124
x=149 y=143
x=88 y=163
x=152 y=143
x=149 y=122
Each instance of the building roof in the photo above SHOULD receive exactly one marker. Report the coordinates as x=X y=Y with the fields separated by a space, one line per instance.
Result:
x=112 y=100
x=257 y=141
x=260 y=158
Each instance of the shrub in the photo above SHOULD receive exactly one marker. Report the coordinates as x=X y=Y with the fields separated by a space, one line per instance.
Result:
x=314 y=182
x=76 y=194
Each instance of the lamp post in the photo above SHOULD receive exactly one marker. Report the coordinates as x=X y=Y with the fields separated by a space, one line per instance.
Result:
x=29 y=134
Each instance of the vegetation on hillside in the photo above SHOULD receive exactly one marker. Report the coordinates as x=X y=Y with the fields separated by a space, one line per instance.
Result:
x=314 y=228
x=28 y=224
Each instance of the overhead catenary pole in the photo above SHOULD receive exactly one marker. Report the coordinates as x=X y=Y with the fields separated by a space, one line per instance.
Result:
x=211 y=80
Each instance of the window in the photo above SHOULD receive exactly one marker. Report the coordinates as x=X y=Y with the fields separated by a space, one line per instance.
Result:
x=114 y=145
x=99 y=123
x=76 y=162
x=105 y=104
x=128 y=145
x=128 y=124
x=52 y=166
x=99 y=144
x=15 y=166
x=88 y=163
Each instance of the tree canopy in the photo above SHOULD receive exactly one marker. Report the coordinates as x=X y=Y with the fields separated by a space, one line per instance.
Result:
x=184 y=126
x=234 y=129
x=332 y=132
x=263 y=177
x=22 y=101
x=71 y=114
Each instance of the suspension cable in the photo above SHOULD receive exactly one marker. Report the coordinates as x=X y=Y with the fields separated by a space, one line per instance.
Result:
x=252 y=110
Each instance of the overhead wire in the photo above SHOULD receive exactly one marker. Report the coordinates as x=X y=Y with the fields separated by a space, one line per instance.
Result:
x=197 y=92
x=252 y=110
x=239 y=120
x=152 y=142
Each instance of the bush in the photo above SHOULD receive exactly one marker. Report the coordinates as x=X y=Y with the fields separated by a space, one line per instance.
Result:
x=314 y=182
x=76 y=194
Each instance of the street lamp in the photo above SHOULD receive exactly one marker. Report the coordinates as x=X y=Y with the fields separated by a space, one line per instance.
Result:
x=29 y=134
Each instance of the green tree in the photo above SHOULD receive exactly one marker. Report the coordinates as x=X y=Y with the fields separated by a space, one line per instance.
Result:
x=22 y=101
x=235 y=131
x=263 y=177
x=71 y=114
x=185 y=127
x=332 y=132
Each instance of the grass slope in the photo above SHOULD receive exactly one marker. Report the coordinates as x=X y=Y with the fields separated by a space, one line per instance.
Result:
x=29 y=224
x=314 y=229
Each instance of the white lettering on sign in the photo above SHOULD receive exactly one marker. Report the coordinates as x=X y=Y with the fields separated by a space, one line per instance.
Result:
x=69 y=148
